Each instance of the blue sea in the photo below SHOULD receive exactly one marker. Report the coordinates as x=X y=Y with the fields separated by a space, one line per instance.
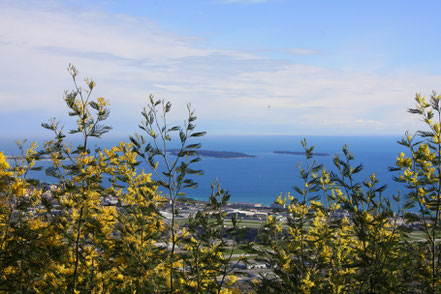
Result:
x=263 y=178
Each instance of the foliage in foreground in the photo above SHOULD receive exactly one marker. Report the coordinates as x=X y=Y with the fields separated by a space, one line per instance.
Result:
x=70 y=240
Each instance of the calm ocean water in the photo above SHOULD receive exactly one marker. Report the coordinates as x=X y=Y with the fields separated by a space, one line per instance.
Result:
x=262 y=179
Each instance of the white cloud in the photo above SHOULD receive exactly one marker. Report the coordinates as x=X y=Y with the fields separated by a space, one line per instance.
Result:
x=130 y=58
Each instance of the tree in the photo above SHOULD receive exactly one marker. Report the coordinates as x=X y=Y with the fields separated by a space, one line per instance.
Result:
x=26 y=242
x=320 y=251
x=420 y=171
x=83 y=223
x=73 y=238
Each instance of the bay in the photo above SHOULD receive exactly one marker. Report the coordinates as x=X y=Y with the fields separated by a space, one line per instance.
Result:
x=262 y=178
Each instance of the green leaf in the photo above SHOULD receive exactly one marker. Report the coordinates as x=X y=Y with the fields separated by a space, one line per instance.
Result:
x=198 y=134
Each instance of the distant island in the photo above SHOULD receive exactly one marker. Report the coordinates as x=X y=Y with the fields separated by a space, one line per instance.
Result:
x=217 y=154
x=20 y=157
x=204 y=153
x=300 y=153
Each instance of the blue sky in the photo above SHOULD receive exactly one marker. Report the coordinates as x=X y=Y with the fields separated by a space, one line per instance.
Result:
x=247 y=66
